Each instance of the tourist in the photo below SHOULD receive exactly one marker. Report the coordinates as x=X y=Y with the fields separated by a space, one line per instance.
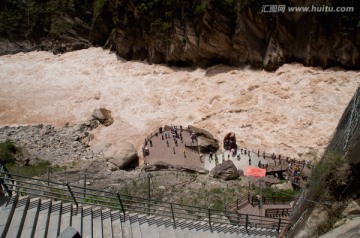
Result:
x=264 y=154
x=259 y=164
x=259 y=200
x=147 y=152
x=145 y=142
x=167 y=143
x=162 y=137
x=181 y=128
x=238 y=157
x=249 y=161
x=174 y=149
x=184 y=153
x=210 y=156
x=228 y=156
x=150 y=142
x=176 y=143
x=258 y=153
x=241 y=150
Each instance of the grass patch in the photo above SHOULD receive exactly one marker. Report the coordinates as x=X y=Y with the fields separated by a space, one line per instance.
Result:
x=103 y=201
x=36 y=170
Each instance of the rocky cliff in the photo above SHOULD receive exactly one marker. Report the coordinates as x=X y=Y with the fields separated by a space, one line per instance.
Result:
x=195 y=32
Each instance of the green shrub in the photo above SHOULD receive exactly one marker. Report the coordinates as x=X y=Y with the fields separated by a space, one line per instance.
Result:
x=8 y=151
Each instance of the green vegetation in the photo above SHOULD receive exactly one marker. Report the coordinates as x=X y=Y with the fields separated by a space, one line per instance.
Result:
x=8 y=150
x=97 y=7
x=271 y=192
x=101 y=200
x=37 y=169
x=329 y=163
x=200 y=8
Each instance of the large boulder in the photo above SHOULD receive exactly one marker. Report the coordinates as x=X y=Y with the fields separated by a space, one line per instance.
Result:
x=118 y=156
x=226 y=171
x=103 y=115
x=206 y=140
x=283 y=186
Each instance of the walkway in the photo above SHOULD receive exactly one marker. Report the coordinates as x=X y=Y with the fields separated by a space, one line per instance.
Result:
x=174 y=154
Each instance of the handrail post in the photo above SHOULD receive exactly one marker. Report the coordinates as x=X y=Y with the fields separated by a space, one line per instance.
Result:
x=279 y=225
x=173 y=215
x=121 y=205
x=48 y=176
x=209 y=212
x=149 y=194
x=247 y=223
x=72 y=194
x=85 y=173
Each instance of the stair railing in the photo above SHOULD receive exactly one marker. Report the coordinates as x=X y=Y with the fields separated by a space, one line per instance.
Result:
x=72 y=194
x=130 y=204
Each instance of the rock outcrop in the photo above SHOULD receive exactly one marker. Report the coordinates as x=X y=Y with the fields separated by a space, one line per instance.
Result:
x=165 y=166
x=58 y=145
x=103 y=115
x=120 y=156
x=205 y=140
x=226 y=171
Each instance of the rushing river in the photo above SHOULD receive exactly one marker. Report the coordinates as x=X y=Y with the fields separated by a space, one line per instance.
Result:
x=292 y=111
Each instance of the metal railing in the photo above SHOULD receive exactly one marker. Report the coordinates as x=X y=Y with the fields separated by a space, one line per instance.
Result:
x=277 y=212
x=254 y=201
x=130 y=204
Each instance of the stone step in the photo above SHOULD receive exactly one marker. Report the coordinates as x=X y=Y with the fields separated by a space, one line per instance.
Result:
x=54 y=221
x=149 y=230
x=116 y=224
x=106 y=221
x=6 y=212
x=166 y=232
x=18 y=217
x=179 y=233
x=31 y=218
x=87 y=222
x=76 y=218
x=97 y=223
x=43 y=219
x=135 y=227
x=66 y=216
x=126 y=228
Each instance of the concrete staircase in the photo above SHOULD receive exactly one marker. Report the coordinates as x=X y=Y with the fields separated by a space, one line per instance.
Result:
x=36 y=217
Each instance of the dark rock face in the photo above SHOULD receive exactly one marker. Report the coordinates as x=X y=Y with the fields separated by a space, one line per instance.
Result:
x=236 y=34
x=199 y=33
x=226 y=171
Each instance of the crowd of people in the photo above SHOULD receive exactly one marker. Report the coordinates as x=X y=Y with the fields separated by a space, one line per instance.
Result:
x=176 y=134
